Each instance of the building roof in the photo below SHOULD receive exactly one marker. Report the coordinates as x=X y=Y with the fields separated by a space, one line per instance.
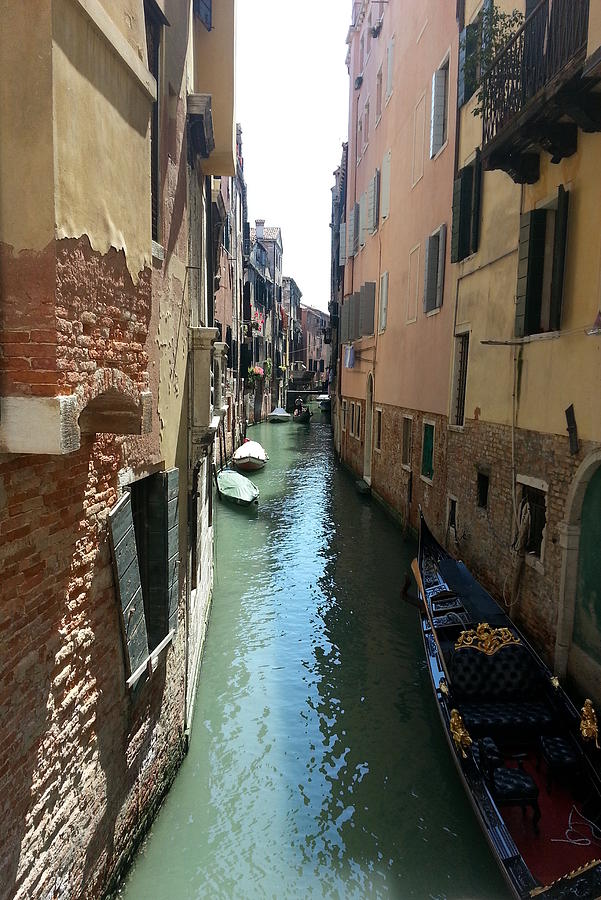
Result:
x=316 y=312
x=270 y=233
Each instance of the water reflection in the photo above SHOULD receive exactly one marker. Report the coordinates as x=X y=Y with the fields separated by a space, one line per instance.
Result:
x=317 y=766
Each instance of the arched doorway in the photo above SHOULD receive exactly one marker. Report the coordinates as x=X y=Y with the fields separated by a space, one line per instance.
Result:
x=578 y=642
x=369 y=414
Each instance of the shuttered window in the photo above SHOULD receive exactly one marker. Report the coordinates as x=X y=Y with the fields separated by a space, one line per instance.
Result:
x=389 y=67
x=367 y=308
x=467 y=191
x=428 y=451
x=378 y=440
x=342 y=244
x=385 y=187
x=204 y=10
x=440 y=109
x=344 y=407
x=462 y=343
x=356 y=228
x=350 y=235
x=406 y=448
x=373 y=202
x=144 y=532
x=467 y=80
x=435 y=269
x=383 y=301
x=541 y=267
x=345 y=321
x=363 y=219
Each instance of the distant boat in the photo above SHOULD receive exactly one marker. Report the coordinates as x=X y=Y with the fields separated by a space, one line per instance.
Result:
x=279 y=415
x=237 y=489
x=325 y=402
x=301 y=418
x=250 y=456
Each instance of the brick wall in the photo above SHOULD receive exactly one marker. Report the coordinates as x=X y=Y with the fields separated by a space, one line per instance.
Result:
x=486 y=535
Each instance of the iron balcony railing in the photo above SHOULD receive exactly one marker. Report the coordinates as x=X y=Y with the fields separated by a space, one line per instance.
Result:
x=551 y=37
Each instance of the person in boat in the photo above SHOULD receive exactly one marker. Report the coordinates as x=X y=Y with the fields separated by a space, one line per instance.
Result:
x=298 y=406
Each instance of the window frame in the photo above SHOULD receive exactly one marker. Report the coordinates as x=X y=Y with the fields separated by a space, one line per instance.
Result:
x=440 y=250
x=427 y=423
x=537 y=484
x=344 y=412
x=459 y=364
x=438 y=142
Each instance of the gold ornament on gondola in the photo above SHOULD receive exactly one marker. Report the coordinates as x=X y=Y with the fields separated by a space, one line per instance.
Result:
x=588 y=723
x=459 y=733
x=486 y=639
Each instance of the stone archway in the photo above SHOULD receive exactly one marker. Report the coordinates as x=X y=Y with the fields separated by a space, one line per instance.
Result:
x=570 y=539
x=369 y=416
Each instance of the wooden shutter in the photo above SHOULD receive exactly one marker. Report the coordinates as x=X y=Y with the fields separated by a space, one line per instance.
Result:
x=428 y=451
x=128 y=584
x=530 y=272
x=203 y=9
x=385 y=188
x=367 y=308
x=161 y=562
x=559 y=257
x=342 y=244
x=442 y=252
x=362 y=218
x=430 y=275
x=383 y=300
x=462 y=209
x=370 y=206
x=350 y=235
x=439 y=111
x=389 y=67
x=476 y=201
x=356 y=227
x=376 y=210
x=466 y=76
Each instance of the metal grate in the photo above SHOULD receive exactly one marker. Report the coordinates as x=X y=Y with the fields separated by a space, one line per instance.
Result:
x=463 y=341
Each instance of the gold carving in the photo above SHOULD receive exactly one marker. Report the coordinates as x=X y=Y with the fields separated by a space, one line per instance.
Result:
x=459 y=733
x=588 y=723
x=443 y=687
x=486 y=639
x=555 y=682
x=535 y=892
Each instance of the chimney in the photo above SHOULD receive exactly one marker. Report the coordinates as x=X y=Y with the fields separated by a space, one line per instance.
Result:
x=260 y=223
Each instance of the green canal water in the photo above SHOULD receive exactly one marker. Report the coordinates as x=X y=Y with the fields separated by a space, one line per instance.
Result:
x=317 y=765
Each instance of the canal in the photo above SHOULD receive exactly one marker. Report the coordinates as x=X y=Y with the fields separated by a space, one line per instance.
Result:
x=317 y=765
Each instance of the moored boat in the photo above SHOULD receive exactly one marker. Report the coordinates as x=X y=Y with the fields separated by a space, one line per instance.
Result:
x=250 y=456
x=236 y=488
x=302 y=416
x=279 y=415
x=325 y=402
x=527 y=759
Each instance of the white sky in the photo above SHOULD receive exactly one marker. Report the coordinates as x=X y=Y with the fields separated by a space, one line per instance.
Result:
x=292 y=104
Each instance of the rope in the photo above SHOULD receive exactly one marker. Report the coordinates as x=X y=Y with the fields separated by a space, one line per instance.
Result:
x=577 y=838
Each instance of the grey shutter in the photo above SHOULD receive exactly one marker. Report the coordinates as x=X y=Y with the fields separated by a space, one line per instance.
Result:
x=162 y=555
x=559 y=257
x=128 y=584
x=430 y=275
x=383 y=300
x=171 y=479
x=351 y=235
x=370 y=205
x=389 y=67
x=342 y=244
x=385 y=189
x=376 y=211
x=466 y=77
x=462 y=210
x=356 y=228
x=362 y=218
x=530 y=272
x=354 y=316
x=442 y=252
x=439 y=111
x=368 y=304
x=204 y=11
x=344 y=321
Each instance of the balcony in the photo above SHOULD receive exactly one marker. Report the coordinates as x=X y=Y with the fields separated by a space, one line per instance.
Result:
x=534 y=95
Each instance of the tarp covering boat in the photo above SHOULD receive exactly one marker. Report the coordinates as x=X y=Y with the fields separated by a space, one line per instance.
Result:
x=236 y=488
x=250 y=456
x=279 y=415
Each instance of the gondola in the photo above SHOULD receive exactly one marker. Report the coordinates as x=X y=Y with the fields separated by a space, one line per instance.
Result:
x=527 y=758
x=303 y=417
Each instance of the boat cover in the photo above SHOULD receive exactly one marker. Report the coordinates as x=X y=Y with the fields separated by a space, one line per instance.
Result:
x=478 y=603
x=236 y=487
x=250 y=450
x=279 y=413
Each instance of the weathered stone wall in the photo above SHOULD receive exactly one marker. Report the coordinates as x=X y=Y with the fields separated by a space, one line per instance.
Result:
x=486 y=535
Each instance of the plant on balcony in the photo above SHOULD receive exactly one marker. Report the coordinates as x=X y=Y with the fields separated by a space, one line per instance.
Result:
x=255 y=373
x=495 y=29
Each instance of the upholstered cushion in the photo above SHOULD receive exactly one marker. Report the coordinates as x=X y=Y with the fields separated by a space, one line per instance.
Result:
x=483 y=718
x=558 y=752
x=508 y=673
x=513 y=784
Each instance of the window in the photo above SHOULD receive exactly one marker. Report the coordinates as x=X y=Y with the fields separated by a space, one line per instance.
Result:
x=385 y=187
x=536 y=500
x=203 y=9
x=471 y=39
x=406 y=449
x=344 y=415
x=362 y=218
x=462 y=343
x=428 y=451
x=144 y=536
x=543 y=238
x=383 y=301
x=452 y=517
x=440 y=109
x=359 y=139
x=389 y=68
x=378 y=441
x=352 y=419
x=153 y=47
x=482 y=490
x=467 y=190
x=419 y=137
x=379 y=95
x=358 y=422
x=435 y=263
x=366 y=125
x=413 y=288
x=373 y=203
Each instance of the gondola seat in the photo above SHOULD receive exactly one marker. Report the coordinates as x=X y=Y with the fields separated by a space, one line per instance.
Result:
x=509 y=786
x=560 y=755
x=499 y=694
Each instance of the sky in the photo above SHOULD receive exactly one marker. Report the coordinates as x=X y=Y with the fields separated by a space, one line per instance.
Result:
x=292 y=104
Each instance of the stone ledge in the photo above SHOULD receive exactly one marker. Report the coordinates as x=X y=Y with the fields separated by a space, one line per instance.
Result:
x=39 y=425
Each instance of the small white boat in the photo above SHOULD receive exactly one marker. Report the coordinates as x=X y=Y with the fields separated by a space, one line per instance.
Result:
x=325 y=402
x=250 y=456
x=279 y=415
x=235 y=487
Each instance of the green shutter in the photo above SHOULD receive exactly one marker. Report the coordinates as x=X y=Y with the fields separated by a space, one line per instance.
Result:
x=428 y=452
x=476 y=201
x=530 y=272
x=128 y=584
x=559 y=257
x=462 y=214
x=162 y=555
x=456 y=219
